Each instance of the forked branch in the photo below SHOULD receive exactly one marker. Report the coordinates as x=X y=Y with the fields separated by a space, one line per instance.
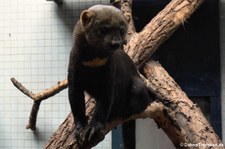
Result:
x=38 y=98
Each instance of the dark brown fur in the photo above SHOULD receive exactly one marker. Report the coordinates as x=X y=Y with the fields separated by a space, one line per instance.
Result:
x=99 y=66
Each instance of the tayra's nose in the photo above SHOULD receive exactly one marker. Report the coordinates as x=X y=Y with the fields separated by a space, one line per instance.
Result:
x=115 y=44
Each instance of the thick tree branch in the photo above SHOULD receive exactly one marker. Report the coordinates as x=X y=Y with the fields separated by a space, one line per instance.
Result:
x=180 y=119
x=161 y=27
x=126 y=8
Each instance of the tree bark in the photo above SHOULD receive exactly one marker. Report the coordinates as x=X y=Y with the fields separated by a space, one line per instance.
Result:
x=160 y=28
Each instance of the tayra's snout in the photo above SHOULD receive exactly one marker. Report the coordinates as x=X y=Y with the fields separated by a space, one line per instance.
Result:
x=115 y=44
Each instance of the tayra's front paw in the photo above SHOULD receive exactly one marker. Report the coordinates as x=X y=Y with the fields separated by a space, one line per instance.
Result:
x=90 y=135
x=79 y=131
x=94 y=131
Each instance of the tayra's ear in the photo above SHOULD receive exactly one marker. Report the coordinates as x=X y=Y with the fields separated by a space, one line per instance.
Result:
x=117 y=4
x=87 y=17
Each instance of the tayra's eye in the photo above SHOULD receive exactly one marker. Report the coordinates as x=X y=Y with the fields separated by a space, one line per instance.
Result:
x=103 y=30
x=122 y=31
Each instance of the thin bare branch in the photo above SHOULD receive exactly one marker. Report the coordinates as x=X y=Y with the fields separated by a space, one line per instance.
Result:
x=38 y=98
x=23 y=89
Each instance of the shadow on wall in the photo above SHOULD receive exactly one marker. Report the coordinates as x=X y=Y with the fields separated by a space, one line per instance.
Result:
x=39 y=135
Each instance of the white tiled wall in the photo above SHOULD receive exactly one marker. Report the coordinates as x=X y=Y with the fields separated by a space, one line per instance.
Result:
x=35 y=41
x=222 y=47
x=151 y=137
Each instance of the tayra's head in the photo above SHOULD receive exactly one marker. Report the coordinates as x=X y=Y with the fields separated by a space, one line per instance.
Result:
x=104 y=26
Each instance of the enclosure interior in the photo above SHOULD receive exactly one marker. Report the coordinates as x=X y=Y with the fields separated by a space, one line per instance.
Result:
x=35 y=41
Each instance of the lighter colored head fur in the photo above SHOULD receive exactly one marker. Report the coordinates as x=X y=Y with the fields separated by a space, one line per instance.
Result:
x=104 y=26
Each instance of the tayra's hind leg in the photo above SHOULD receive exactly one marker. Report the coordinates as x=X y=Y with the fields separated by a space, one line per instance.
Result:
x=140 y=98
